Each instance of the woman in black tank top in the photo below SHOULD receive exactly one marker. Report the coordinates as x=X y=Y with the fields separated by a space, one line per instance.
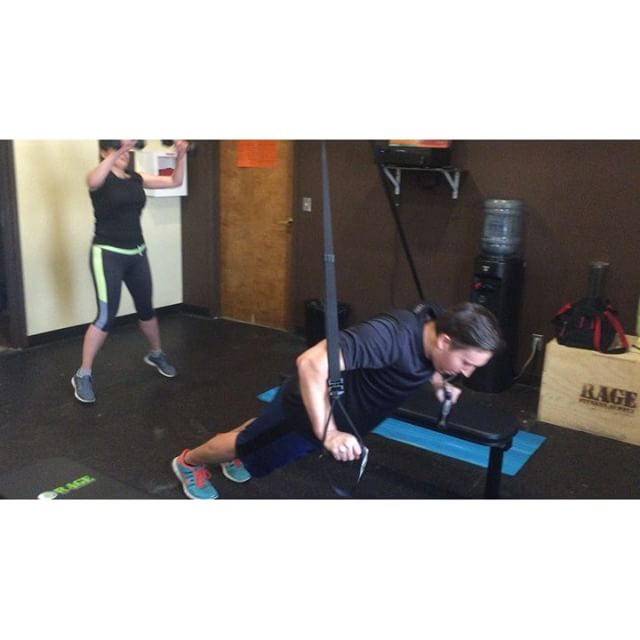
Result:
x=118 y=253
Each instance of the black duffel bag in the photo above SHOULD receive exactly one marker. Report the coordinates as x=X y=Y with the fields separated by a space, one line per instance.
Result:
x=590 y=323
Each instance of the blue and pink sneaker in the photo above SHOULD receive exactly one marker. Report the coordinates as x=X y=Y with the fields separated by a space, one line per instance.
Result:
x=194 y=479
x=235 y=471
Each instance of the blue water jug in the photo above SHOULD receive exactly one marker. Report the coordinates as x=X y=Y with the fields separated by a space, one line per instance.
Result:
x=502 y=230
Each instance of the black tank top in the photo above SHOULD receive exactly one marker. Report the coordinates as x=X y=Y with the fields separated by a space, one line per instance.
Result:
x=117 y=206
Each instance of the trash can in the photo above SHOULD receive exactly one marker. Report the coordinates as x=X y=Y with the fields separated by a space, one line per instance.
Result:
x=314 y=319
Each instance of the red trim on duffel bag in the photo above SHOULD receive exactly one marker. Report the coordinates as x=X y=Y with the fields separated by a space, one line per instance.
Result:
x=596 y=333
x=564 y=308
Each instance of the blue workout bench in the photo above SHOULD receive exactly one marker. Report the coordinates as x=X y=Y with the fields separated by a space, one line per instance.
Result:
x=471 y=420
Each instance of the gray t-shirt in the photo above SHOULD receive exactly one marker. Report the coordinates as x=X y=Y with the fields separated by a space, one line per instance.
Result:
x=385 y=363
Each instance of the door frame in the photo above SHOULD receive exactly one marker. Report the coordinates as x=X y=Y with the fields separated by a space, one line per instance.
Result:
x=10 y=237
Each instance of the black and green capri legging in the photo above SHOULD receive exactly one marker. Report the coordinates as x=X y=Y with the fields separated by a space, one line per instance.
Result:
x=110 y=267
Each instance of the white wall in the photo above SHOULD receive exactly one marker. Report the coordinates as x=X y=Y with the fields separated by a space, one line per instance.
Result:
x=56 y=227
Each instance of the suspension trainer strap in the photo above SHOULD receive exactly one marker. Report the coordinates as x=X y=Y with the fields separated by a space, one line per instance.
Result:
x=335 y=381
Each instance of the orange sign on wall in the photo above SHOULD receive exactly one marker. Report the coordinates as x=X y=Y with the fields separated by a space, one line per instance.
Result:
x=427 y=144
x=257 y=153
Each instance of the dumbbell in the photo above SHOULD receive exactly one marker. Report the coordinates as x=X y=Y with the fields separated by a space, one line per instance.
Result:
x=169 y=143
x=116 y=144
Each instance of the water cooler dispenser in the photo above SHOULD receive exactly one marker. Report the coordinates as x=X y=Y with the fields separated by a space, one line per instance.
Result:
x=498 y=278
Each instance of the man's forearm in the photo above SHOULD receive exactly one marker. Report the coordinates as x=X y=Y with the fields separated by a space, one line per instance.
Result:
x=312 y=373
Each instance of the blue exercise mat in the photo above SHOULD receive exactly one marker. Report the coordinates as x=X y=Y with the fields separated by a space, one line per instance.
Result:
x=524 y=445
x=269 y=395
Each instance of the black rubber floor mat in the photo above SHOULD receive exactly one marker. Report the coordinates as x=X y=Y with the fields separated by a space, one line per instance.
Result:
x=62 y=478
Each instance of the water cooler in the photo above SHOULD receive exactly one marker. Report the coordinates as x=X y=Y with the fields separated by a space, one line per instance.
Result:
x=498 y=279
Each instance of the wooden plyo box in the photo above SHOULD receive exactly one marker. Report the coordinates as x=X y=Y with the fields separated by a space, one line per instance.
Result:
x=591 y=391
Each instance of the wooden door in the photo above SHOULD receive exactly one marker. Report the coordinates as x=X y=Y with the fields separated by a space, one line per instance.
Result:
x=255 y=237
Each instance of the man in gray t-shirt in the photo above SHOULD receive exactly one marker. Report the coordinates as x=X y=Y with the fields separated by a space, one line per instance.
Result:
x=383 y=361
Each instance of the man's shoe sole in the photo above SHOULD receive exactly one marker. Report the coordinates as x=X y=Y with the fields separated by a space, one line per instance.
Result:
x=153 y=364
x=75 y=392
x=174 y=466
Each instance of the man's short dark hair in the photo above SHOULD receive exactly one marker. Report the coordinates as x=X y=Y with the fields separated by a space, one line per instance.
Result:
x=471 y=325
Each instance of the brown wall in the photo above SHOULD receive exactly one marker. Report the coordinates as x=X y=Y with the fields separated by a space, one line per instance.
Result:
x=582 y=205
x=200 y=230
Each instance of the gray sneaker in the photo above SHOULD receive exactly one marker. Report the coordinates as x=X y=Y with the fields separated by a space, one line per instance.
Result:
x=161 y=364
x=83 y=388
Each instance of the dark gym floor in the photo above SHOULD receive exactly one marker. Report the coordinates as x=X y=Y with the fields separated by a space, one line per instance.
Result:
x=141 y=420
